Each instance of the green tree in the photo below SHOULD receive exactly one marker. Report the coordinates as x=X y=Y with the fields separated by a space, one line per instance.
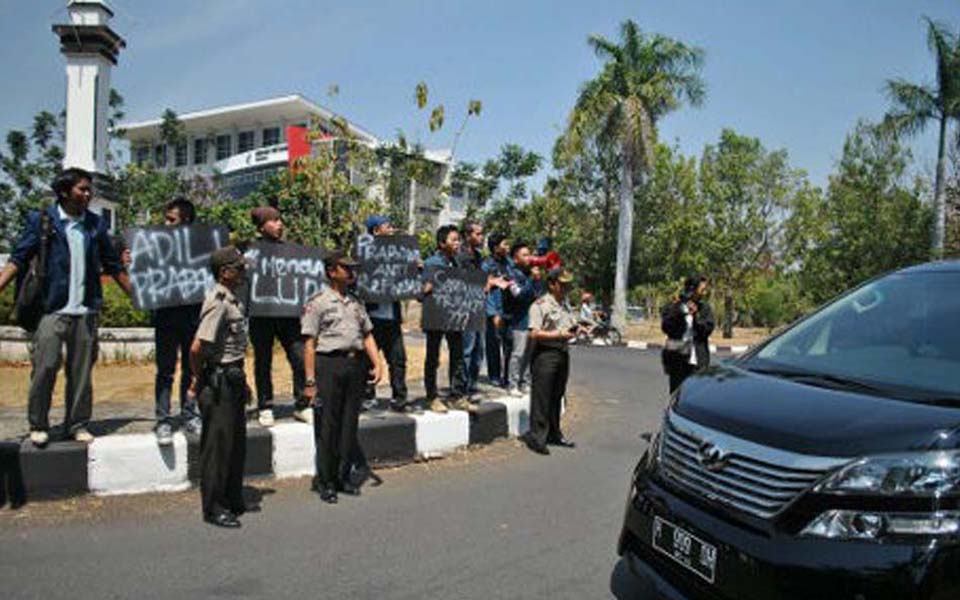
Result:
x=644 y=78
x=914 y=106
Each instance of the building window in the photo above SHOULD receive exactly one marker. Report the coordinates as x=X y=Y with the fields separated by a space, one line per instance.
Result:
x=160 y=155
x=180 y=155
x=245 y=142
x=223 y=146
x=141 y=154
x=271 y=136
x=200 y=151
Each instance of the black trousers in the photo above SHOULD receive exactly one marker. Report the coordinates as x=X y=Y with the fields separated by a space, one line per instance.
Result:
x=549 y=369
x=174 y=329
x=389 y=338
x=340 y=382
x=223 y=440
x=678 y=373
x=498 y=345
x=456 y=371
x=263 y=332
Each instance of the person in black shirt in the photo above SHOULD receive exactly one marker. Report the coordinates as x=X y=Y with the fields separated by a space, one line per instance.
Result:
x=688 y=322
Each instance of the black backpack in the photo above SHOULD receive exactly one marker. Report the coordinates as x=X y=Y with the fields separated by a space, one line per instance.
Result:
x=28 y=309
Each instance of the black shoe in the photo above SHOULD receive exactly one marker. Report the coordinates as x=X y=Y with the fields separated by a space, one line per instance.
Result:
x=349 y=488
x=223 y=519
x=328 y=494
x=561 y=441
x=536 y=447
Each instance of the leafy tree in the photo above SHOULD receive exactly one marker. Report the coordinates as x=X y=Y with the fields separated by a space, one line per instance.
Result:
x=871 y=220
x=644 y=78
x=915 y=106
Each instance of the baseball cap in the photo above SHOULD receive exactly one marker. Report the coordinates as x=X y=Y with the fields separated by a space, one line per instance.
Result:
x=374 y=221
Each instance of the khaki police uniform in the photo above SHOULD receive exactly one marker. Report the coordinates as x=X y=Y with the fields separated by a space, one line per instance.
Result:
x=222 y=397
x=550 y=369
x=339 y=325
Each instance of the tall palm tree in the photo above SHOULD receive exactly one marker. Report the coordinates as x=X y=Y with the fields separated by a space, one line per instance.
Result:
x=643 y=78
x=914 y=106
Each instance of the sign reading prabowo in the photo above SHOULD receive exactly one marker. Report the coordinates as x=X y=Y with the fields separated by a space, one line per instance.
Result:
x=170 y=266
x=456 y=302
x=389 y=268
x=282 y=277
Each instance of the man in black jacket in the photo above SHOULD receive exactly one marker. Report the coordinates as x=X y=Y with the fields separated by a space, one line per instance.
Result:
x=688 y=322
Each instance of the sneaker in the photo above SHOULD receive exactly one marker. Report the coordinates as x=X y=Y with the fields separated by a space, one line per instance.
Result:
x=193 y=425
x=437 y=406
x=39 y=438
x=515 y=392
x=304 y=415
x=164 y=434
x=82 y=435
x=371 y=404
x=266 y=417
x=462 y=404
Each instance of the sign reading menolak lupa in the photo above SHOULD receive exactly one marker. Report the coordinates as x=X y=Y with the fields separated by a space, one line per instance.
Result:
x=170 y=266
x=457 y=300
x=389 y=268
x=282 y=277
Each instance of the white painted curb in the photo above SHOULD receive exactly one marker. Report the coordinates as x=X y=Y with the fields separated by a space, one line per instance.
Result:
x=293 y=450
x=439 y=434
x=134 y=464
x=637 y=345
x=518 y=414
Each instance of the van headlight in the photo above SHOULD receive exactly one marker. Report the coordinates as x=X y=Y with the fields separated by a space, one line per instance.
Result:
x=919 y=475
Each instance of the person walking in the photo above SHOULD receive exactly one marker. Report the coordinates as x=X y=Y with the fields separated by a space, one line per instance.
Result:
x=387 y=318
x=78 y=250
x=219 y=382
x=552 y=326
x=446 y=257
x=498 y=340
x=688 y=322
x=339 y=347
x=471 y=257
x=265 y=331
x=518 y=294
x=174 y=328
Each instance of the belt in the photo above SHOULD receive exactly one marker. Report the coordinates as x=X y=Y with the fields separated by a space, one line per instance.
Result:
x=341 y=353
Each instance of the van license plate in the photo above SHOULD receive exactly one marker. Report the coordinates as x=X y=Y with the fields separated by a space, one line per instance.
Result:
x=685 y=548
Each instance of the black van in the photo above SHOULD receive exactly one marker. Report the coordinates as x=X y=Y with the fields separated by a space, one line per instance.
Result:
x=823 y=464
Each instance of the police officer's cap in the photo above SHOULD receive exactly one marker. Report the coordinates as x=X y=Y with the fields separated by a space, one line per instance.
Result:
x=228 y=256
x=559 y=274
x=339 y=257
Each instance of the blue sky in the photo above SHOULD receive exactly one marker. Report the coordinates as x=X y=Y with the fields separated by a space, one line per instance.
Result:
x=796 y=74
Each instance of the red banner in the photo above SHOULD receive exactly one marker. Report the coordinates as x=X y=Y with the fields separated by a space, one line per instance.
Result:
x=297 y=145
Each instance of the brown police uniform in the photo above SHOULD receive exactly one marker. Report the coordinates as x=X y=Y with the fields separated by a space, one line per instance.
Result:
x=550 y=368
x=339 y=325
x=222 y=396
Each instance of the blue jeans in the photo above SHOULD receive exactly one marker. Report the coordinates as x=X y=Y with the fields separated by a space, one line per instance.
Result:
x=472 y=357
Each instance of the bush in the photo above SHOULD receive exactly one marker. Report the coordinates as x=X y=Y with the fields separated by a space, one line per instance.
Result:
x=118 y=310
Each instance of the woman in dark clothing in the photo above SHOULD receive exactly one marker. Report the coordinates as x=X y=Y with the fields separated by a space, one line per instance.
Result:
x=688 y=322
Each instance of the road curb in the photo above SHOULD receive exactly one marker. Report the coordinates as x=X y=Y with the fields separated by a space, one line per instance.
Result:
x=134 y=464
x=713 y=347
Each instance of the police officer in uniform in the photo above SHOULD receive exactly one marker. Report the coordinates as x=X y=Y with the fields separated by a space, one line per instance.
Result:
x=338 y=342
x=219 y=383
x=552 y=326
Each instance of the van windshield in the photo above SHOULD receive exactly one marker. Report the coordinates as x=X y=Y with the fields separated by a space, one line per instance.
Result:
x=899 y=334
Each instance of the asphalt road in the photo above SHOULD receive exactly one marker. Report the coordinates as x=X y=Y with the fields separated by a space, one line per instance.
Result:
x=495 y=522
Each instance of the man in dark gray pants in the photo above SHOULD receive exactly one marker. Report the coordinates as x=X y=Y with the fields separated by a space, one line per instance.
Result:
x=78 y=250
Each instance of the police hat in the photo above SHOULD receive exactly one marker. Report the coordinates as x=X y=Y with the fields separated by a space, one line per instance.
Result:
x=228 y=256
x=339 y=257
x=559 y=274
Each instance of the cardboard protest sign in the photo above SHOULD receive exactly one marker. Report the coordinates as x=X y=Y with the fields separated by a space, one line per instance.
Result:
x=456 y=302
x=171 y=265
x=282 y=277
x=388 y=269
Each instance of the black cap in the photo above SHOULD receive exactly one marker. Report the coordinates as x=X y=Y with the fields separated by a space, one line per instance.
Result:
x=228 y=256
x=339 y=256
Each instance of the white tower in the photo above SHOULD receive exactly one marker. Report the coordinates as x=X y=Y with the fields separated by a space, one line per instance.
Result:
x=91 y=49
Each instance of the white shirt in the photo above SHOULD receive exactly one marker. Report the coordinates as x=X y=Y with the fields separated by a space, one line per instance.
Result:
x=688 y=334
x=78 y=265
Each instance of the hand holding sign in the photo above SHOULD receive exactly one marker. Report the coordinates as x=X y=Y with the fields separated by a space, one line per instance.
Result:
x=457 y=300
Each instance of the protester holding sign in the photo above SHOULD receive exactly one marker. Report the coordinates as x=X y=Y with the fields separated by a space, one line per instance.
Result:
x=174 y=328
x=265 y=330
x=386 y=318
x=448 y=248
x=78 y=251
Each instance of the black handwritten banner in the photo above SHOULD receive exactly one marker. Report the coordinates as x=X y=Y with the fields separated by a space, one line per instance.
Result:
x=456 y=302
x=171 y=265
x=282 y=278
x=388 y=268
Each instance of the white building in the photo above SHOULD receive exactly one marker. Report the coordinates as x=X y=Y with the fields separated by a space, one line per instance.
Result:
x=245 y=143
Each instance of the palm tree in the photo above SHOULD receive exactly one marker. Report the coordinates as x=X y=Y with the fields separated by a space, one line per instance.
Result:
x=914 y=106
x=644 y=78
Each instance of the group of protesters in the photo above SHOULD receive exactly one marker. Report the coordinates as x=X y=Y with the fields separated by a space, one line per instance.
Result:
x=333 y=348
